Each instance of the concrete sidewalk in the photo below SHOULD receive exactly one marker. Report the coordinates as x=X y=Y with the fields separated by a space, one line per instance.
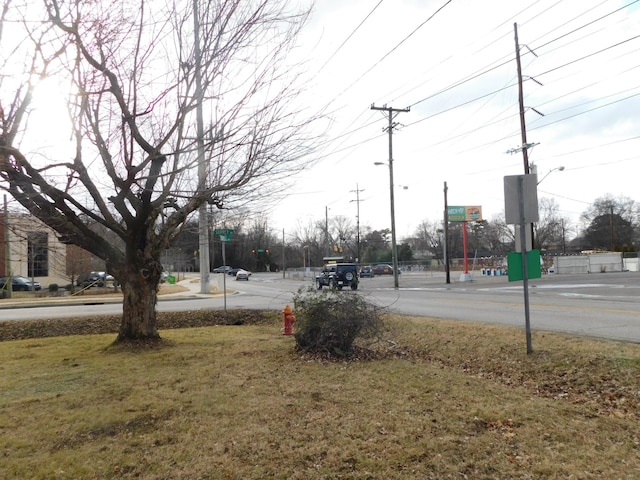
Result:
x=190 y=289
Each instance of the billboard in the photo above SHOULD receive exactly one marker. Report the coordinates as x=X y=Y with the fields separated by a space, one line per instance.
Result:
x=464 y=214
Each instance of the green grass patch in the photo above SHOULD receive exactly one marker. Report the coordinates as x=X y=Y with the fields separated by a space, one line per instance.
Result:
x=434 y=399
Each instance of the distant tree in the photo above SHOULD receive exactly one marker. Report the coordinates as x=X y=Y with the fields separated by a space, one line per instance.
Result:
x=262 y=240
x=309 y=240
x=342 y=235
x=609 y=232
x=405 y=254
x=498 y=236
x=611 y=223
x=454 y=245
x=428 y=237
x=476 y=237
x=549 y=230
x=376 y=246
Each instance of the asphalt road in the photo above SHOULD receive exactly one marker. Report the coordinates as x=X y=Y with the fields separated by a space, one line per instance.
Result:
x=602 y=305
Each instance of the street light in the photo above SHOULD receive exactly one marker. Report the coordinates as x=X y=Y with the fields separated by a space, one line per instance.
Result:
x=559 y=169
x=394 y=249
x=534 y=170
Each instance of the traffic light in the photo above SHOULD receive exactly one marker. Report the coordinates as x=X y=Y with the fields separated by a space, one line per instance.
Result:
x=253 y=251
x=267 y=251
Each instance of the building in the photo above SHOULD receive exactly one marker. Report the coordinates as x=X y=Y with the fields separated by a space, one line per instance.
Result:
x=31 y=249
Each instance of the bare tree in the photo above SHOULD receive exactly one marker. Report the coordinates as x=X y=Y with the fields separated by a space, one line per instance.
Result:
x=549 y=230
x=310 y=237
x=139 y=72
x=342 y=233
x=499 y=236
x=428 y=237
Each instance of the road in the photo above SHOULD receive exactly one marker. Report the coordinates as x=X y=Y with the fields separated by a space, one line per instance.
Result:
x=601 y=305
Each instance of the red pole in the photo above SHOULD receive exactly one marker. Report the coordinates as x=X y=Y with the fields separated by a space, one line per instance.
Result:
x=464 y=246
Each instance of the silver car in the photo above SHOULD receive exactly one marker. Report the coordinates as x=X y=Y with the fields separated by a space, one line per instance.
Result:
x=243 y=275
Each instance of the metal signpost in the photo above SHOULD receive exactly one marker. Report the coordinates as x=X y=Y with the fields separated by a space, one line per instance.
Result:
x=521 y=208
x=225 y=235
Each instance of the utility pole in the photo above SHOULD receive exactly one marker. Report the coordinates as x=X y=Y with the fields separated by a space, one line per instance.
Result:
x=446 y=235
x=523 y=128
x=391 y=114
x=203 y=229
x=326 y=229
x=357 y=192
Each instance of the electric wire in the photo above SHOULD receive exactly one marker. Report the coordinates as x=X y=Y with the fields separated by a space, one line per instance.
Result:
x=344 y=42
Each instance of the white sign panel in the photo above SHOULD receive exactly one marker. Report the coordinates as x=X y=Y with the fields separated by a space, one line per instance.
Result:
x=517 y=188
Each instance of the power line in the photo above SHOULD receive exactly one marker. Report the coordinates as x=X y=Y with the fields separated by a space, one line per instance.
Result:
x=390 y=51
x=488 y=70
x=349 y=37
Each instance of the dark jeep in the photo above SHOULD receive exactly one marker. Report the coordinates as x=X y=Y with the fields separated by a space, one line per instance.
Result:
x=338 y=275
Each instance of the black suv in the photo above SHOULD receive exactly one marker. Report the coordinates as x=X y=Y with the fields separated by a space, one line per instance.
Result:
x=338 y=275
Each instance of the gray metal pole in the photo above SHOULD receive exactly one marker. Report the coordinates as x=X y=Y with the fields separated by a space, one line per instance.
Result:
x=447 y=269
x=203 y=229
x=224 y=273
x=525 y=271
x=7 y=251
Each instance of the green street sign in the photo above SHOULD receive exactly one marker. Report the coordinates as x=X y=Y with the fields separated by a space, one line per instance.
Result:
x=514 y=265
x=224 y=233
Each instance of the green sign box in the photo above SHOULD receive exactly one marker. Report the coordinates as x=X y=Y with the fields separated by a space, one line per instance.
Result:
x=514 y=265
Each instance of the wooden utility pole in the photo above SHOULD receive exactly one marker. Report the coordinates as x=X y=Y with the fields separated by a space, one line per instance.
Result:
x=391 y=114
x=523 y=127
x=357 y=200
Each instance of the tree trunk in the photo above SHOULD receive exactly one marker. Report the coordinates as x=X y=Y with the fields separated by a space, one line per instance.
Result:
x=140 y=295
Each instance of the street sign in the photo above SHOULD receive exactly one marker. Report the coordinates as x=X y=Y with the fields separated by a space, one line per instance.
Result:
x=517 y=189
x=514 y=265
x=224 y=234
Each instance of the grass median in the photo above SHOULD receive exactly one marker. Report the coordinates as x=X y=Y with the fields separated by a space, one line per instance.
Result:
x=433 y=399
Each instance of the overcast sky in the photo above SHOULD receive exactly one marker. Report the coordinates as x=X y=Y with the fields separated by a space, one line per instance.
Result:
x=453 y=63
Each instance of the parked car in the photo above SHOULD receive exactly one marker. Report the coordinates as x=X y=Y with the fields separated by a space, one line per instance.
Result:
x=243 y=275
x=338 y=275
x=366 y=271
x=97 y=279
x=20 y=284
x=222 y=269
x=383 y=269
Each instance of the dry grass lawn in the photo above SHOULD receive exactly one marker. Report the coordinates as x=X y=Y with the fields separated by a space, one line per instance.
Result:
x=434 y=400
